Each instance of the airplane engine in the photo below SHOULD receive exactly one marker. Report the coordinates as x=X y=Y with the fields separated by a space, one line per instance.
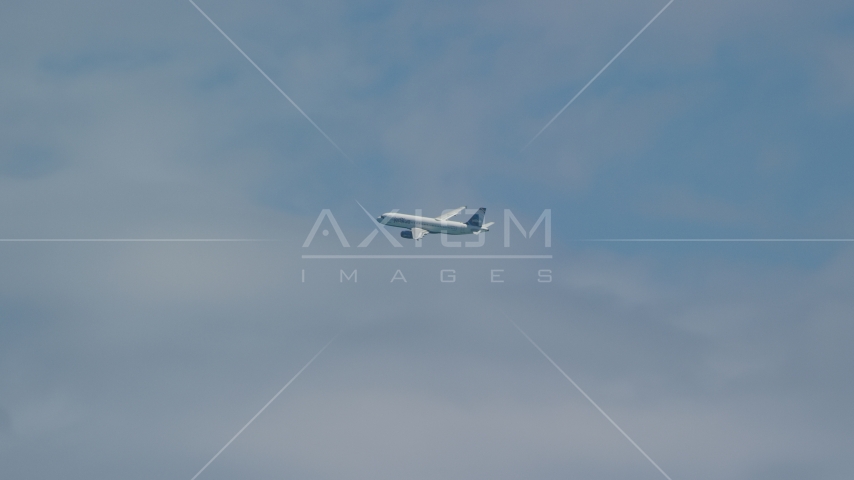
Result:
x=406 y=234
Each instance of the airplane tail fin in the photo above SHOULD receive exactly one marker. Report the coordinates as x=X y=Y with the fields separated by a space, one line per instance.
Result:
x=477 y=219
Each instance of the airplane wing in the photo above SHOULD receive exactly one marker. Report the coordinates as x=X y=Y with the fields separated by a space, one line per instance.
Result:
x=418 y=233
x=450 y=214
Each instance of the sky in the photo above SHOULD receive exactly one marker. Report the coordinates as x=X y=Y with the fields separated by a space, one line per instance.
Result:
x=723 y=120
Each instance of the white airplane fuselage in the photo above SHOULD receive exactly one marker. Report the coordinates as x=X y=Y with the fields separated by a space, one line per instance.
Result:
x=432 y=225
x=416 y=226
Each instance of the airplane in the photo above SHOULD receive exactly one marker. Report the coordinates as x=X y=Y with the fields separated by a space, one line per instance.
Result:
x=416 y=227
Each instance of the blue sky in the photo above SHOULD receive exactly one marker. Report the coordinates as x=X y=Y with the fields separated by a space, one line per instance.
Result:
x=723 y=120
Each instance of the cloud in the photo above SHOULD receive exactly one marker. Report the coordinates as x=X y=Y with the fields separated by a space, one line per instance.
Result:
x=140 y=121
